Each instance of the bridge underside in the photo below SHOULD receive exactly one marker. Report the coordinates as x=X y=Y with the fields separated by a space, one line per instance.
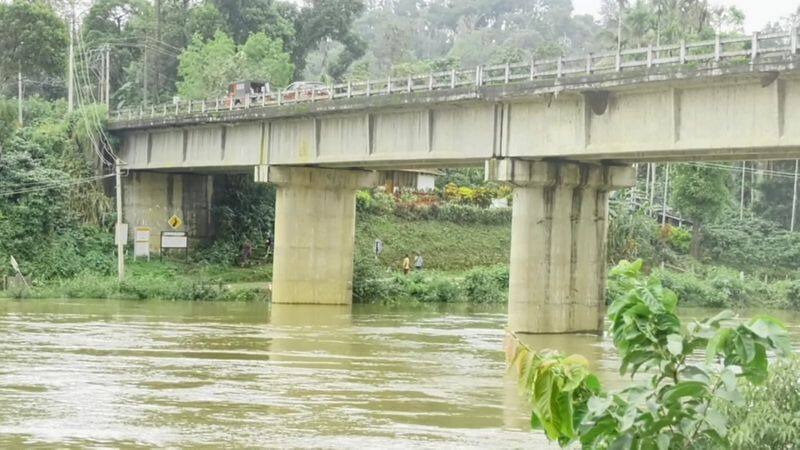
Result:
x=561 y=147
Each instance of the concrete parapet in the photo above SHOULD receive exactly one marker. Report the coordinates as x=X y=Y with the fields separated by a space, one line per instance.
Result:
x=558 y=243
x=315 y=217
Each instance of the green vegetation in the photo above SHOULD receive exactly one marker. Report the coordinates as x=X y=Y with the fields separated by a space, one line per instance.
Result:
x=162 y=280
x=206 y=68
x=767 y=418
x=682 y=403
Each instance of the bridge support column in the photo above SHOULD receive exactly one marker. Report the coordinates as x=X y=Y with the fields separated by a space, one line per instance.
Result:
x=558 y=243
x=315 y=216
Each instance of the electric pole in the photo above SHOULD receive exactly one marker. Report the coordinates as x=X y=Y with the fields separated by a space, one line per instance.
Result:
x=71 y=65
x=107 y=77
x=794 y=196
x=144 y=75
x=19 y=96
x=158 y=41
x=119 y=238
x=741 y=198
x=664 y=200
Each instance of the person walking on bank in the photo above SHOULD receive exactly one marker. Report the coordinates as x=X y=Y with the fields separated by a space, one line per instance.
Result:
x=406 y=265
x=418 y=262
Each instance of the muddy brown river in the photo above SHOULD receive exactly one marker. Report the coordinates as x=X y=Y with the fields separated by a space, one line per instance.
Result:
x=106 y=373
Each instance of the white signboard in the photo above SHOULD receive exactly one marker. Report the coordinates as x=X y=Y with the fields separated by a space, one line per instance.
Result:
x=174 y=239
x=121 y=234
x=141 y=243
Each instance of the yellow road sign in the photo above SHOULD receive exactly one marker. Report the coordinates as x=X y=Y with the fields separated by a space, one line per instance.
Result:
x=175 y=222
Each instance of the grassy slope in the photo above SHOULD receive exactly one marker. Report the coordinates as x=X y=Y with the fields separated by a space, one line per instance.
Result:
x=444 y=245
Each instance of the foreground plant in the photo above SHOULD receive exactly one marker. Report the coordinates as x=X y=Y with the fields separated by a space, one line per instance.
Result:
x=676 y=406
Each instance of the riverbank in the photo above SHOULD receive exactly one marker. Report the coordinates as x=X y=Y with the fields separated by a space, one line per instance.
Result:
x=167 y=280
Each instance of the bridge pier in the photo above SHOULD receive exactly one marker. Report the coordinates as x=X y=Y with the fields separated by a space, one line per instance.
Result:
x=558 y=243
x=315 y=215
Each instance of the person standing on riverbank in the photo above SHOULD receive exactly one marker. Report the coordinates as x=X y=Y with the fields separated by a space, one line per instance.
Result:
x=406 y=265
x=418 y=262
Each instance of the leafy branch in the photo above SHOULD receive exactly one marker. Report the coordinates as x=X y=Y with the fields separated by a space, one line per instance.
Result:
x=675 y=408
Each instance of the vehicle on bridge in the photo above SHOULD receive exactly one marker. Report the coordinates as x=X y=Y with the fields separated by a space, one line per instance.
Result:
x=241 y=93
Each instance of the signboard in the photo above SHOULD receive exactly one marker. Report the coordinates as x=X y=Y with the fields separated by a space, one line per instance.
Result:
x=141 y=243
x=175 y=222
x=121 y=234
x=378 y=247
x=174 y=239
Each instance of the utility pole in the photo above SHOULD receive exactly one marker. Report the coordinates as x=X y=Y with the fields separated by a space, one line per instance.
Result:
x=71 y=65
x=741 y=198
x=144 y=75
x=653 y=184
x=120 y=244
x=158 y=41
x=107 y=78
x=664 y=200
x=794 y=196
x=19 y=96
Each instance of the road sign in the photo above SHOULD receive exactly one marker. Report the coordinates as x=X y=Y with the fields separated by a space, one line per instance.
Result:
x=174 y=239
x=175 y=222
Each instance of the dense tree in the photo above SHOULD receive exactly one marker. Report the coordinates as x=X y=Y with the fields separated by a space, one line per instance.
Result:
x=262 y=58
x=701 y=193
x=206 y=68
x=33 y=40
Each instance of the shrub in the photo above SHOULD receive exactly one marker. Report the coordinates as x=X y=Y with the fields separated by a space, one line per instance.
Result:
x=768 y=417
x=433 y=288
x=486 y=284
x=363 y=201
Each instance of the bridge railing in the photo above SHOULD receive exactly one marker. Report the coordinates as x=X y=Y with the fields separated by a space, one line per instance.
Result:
x=734 y=49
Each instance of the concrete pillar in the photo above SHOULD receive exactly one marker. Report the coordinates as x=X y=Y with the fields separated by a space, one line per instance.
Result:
x=558 y=243
x=315 y=215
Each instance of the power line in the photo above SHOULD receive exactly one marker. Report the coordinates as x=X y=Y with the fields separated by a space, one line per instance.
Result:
x=54 y=185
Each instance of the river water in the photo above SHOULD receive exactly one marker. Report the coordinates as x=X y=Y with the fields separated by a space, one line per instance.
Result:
x=77 y=373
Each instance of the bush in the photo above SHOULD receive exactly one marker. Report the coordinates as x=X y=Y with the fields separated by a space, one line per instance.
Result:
x=486 y=284
x=430 y=288
x=768 y=418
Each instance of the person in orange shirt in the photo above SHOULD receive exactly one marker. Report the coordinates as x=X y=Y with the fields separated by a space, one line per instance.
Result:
x=406 y=265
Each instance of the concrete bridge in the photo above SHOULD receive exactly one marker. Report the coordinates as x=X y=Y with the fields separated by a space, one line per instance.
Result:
x=562 y=132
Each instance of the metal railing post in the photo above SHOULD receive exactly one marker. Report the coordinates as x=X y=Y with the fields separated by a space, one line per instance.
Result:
x=533 y=69
x=717 y=48
x=754 y=48
x=280 y=97
x=203 y=107
x=589 y=63
x=452 y=78
x=389 y=84
x=619 y=60
x=349 y=88
x=369 y=87
x=793 y=40
x=649 y=56
x=478 y=76
x=409 y=84
x=507 y=74
x=164 y=113
x=560 y=66
x=430 y=81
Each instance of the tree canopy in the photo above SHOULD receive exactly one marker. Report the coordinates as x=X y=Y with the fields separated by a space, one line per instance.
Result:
x=207 y=67
x=33 y=40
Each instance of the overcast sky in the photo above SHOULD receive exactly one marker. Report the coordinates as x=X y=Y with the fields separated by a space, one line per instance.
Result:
x=757 y=12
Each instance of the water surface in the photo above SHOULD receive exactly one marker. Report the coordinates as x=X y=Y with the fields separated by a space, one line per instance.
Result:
x=203 y=374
